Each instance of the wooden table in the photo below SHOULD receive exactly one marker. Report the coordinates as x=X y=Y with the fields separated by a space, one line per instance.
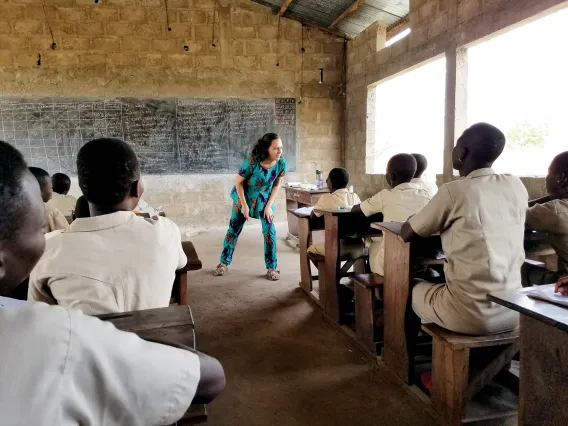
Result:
x=296 y=198
x=544 y=358
x=179 y=289
x=175 y=324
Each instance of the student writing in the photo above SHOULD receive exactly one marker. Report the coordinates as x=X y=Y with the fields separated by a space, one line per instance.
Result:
x=61 y=367
x=112 y=261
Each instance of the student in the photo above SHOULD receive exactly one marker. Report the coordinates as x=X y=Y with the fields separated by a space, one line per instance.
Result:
x=550 y=214
x=481 y=219
x=396 y=204
x=54 y=219
x=421 y=165
x=62 y=367
x=61 y=200
x=113 y=261
x=339 y=196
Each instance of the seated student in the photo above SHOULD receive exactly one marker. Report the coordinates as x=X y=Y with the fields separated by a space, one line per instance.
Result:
x=550 y=214
x=481 y=219
x=339 y=196
x=61 y=200
x=421 y=165
x=61 y=367
x=113 y=261
x=54 y=219
x=396 y=204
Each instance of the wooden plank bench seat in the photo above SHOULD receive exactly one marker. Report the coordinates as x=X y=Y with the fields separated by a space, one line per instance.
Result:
x=457 y=378
x=368 y=321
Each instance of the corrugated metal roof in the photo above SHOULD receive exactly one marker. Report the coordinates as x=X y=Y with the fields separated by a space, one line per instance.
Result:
x=325 y=12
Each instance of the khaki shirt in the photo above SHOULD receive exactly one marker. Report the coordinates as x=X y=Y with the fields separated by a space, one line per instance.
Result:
x=339 y=198
x=552 y=217
x=481 y=219
x=61 y=367
x=54 y=219
x=64 y=203
x=429 y=187
x=112 y=263
x=396 y=205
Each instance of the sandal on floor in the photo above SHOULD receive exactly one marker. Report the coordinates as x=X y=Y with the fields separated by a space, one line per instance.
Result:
x=220 y=270
x=272 y=274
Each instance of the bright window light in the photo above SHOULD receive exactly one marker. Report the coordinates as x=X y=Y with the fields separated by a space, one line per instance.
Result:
x=409 y=116
x=398 y=37
x=517 y=82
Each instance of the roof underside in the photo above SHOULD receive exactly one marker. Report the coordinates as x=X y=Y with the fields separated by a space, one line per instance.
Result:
x=325 y=12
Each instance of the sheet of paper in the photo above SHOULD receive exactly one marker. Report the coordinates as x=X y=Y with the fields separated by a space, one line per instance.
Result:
x=547 y=293
x=304 y=211
x=7 y=302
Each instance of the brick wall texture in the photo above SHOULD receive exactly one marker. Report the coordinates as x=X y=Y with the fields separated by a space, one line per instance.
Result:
x=437 y=25
x=123 y=48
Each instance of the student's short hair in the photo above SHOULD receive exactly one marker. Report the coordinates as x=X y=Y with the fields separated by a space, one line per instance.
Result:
x=82 y=208
x=403 y=166
x=61 y=183
x=488 y=142
x=339 y=177
x=560 y=163
x=107 y=168
x=421 y=164
x=41 y=175
x=12 y=198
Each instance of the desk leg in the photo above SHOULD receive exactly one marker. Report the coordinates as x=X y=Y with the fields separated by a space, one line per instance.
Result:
x=544 y=357
x=305 y=268
x=396 y=292
x=331 y=300
x=292 y=220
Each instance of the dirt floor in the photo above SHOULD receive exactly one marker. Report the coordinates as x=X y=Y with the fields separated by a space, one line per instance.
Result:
x=285 y=365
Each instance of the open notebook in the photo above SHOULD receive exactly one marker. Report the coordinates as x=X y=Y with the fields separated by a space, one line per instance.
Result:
x=7 y=302
x=547 y=294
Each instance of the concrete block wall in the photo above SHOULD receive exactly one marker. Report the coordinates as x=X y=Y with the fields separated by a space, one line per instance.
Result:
x=437 y=26
x=123 y=48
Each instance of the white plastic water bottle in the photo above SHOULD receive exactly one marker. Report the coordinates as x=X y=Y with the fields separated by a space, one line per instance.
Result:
x=319 y=179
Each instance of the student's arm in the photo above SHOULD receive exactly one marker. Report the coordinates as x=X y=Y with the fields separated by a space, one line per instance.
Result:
x=38 y=291
x=541 y=200
x=562 y=286
x=371 y=205
x=542 y=217
x=433 y=218
x=127 y=380
x=59 y=221
x=356 y=208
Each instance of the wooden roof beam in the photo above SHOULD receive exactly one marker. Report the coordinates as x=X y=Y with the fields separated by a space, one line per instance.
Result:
x=284 y=7
x=345 y=14
x=319 y=27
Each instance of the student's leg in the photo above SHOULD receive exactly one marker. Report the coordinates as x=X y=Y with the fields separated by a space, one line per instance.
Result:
x=269 y=232
x=235 y=227
x=536 y=275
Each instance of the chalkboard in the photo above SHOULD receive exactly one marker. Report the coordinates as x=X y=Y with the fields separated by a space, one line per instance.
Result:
x=169 y=136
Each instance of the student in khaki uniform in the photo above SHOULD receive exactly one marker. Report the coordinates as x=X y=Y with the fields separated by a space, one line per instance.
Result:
x=61 y=367
x=481 y=219
x=396 y=204
x=113 y=261
x=421 y=165
x=54 y=219
x=550 y=214
x=61 y=200
x=339 y=196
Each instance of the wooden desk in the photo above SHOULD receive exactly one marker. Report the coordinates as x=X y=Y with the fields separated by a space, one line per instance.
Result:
x=296 y=198
x=174 y=323
x=179 y=289
x=544 y=358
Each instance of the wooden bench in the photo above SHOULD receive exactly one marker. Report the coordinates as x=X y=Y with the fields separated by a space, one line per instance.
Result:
x=179 y=289
x=368 y=326
x=457 y=377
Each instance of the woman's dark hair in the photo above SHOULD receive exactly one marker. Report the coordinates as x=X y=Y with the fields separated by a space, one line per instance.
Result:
x=260 y=150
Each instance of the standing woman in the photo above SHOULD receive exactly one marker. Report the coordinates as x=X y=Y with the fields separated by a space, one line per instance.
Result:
x=257 y=185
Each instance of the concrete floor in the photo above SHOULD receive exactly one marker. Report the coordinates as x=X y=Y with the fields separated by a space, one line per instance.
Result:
x=285 y=365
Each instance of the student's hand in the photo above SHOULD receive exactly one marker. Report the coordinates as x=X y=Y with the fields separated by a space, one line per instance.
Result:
x=268 y=213
x=245 y=211
x=562 y=286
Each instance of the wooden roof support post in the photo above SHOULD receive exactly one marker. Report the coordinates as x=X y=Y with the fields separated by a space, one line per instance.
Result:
x=284 y=7
x=345 y=14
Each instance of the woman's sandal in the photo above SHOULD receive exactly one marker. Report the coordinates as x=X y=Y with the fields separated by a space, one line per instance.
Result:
x=220 y=270
x=272 y=274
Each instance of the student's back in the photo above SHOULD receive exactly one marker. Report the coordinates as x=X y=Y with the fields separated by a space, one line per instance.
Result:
x=111 y=263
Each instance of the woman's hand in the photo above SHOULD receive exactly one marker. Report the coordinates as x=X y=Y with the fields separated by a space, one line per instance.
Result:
x=268 y=213
x=245 y=211
x=562 y=286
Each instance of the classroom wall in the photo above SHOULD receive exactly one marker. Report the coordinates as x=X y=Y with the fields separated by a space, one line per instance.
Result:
x=123 y=48
x=437 y=26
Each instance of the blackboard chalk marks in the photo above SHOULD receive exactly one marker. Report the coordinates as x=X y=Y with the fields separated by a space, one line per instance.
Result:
x=168 y=135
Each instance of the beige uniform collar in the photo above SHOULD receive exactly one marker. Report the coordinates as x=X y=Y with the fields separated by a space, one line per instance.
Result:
x=481 y=172
x=341 y=191
x=112 y=220
x=405 y=185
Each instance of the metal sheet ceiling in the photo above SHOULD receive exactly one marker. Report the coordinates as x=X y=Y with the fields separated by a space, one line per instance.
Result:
x=325 y=12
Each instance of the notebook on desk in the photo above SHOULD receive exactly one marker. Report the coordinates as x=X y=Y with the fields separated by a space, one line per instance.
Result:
x=547 y=294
